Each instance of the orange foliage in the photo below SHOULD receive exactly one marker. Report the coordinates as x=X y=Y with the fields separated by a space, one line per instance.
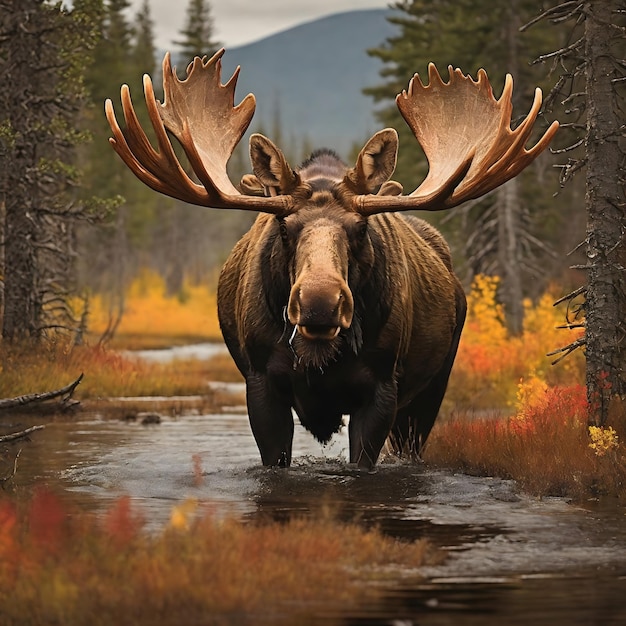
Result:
x=87 y=572
x=491 y=361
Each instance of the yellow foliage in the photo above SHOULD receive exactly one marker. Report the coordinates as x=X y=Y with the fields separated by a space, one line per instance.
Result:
x=149 y=312
x=182 y=514
x=603 y=440
x=491 y=362
x=531 y=393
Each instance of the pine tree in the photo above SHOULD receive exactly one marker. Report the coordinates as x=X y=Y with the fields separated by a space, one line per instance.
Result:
x=43 y=57
x=197 y=34
x=111 y=248
x=144 y=51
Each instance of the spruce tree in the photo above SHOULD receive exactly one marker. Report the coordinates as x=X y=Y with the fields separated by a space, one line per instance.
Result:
x=197 y=34
x=44 y=54
x=110 y=249
x=144 y=52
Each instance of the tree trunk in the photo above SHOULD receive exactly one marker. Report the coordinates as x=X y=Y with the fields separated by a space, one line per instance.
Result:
x=606 y=226
x=509 y=261
x=510 y=207
x=22 y=305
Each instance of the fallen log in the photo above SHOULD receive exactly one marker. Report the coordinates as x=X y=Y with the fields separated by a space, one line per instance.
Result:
x=64 y=393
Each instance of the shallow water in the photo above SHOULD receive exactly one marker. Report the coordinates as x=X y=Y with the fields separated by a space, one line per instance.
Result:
x=513 y=558
x=191 y=351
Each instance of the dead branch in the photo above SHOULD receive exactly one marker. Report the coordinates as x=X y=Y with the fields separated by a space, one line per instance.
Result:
x=567 y=350
x=558 y=13
x=570 y=296
x=5 y=479
x=32 y=398
x=21 y=434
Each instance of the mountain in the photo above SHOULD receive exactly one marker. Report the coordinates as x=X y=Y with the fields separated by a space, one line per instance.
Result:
x=311 y=78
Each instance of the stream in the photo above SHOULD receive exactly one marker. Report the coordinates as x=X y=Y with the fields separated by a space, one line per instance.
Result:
x=513 y=558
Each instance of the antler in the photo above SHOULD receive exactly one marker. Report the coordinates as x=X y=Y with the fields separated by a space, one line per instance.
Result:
x=199 y=111
x=466 y=136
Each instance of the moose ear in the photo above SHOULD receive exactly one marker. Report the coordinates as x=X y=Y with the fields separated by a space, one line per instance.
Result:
x=375 y=163
x=270 y=166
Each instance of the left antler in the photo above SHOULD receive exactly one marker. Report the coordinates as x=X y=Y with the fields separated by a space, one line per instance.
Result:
x=466 y=136
x=199 y=111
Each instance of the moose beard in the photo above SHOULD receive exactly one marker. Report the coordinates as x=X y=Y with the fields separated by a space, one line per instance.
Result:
x=318 y=354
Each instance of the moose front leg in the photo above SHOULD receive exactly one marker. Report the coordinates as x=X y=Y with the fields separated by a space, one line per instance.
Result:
x=271 y=421
x=370 y=425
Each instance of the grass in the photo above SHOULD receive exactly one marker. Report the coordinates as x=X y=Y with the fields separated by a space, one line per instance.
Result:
x=107 y=373
x=72 y=569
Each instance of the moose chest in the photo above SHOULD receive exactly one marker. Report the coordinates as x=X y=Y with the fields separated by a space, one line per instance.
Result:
x=322 y=396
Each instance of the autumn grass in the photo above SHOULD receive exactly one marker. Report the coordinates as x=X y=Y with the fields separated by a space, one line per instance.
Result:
x=548 y=449
x=24 y=370
x=510 y=413
x=73 y=569
x=545 y=445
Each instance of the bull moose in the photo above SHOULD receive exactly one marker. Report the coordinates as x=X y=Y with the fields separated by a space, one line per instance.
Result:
x=335 y=302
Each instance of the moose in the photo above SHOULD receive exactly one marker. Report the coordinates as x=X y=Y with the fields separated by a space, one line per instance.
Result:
x=335 y=302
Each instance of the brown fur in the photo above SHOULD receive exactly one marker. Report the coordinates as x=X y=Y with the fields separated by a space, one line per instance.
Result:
x=388 y=367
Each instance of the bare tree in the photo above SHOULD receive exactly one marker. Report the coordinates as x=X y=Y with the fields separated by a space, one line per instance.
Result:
x=592 y=87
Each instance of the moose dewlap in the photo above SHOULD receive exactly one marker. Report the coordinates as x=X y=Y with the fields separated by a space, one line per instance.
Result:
x=335 y=302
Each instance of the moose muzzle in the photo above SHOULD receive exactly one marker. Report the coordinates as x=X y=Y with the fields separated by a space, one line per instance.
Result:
x=320 y=307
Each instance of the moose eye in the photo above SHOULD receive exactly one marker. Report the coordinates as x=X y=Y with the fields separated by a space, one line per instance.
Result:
x=361 y=230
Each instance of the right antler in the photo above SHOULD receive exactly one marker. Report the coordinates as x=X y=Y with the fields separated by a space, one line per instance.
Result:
x=199 y=111
x=466 y=136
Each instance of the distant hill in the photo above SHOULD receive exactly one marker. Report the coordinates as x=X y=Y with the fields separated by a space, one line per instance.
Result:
x=311 y=78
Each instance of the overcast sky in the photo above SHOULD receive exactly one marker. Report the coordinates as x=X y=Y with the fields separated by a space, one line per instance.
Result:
x=239 y=22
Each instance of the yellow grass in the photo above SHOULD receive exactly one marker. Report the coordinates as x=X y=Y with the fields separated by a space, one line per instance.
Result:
x=106 y=373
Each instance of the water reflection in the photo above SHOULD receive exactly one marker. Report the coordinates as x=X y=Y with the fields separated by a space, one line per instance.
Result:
x=588 y=598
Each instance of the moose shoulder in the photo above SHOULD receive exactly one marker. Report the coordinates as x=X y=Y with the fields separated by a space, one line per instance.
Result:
x=335 y=302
